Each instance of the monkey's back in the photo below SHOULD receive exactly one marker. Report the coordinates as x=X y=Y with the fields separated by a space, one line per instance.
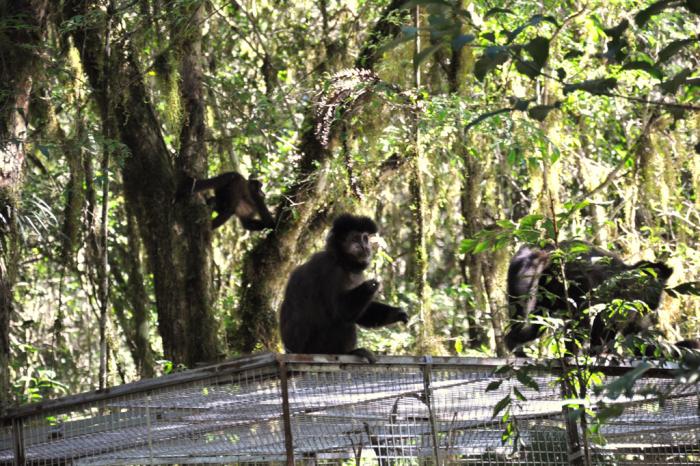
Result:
x=309 y=320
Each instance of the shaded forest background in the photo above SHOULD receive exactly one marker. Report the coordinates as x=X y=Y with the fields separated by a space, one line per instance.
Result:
x=463 y=127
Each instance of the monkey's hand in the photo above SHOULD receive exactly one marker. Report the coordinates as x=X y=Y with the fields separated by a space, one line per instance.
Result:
x=402 y=316
x=371 y=286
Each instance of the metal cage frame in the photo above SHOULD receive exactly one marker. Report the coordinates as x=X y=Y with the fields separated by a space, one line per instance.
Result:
x=277 y=408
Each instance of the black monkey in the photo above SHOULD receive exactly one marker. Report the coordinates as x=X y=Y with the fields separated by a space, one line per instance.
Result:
x=234 y=195
x=327 y=296
x=593 y=276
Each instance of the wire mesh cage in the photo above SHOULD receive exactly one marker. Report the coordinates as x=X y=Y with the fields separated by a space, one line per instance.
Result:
x=272 y=409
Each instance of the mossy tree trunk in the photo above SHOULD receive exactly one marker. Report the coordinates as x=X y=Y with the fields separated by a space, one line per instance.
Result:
x=19 y=58
x=176 y=236
x=301 y=213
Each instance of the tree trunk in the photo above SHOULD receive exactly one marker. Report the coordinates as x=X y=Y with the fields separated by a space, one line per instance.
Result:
x=267 y=266
x=131 y=283
x=18 y=60
x=176 y=235
x=269 y=263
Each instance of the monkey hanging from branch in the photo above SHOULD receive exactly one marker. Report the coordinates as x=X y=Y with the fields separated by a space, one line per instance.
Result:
x=233 y=195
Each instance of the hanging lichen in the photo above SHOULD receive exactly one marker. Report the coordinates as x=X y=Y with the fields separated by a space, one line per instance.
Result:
x=167 y=76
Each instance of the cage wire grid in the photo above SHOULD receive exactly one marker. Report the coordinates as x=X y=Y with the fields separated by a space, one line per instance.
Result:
x=324 y=409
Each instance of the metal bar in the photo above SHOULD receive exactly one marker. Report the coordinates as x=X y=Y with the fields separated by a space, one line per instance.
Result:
x=142 y=386
x=18 y=437
x=427 y=379
x=609 y=367
x=574 y=446
x=284 y=387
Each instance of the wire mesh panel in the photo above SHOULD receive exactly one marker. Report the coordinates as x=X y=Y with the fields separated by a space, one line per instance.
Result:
x=219 y=417
x=273 y=409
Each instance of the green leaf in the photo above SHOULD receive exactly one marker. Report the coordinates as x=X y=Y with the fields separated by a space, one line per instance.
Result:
x=481 y=247
x=489 y=36
x=533 y=21
x=501 y=405
x=494 y=11
x=518 y=394
x=538 y=48
x=625 y=383
x=495 y=385
x=493 y=56
x=521 y=104
x=672 y=85
x=644 y=66
x=425 y=53
x=527 y=381
x=573 y=54
x=528 y=67
x=593 y=86
x=467 y=245
x=462 y=40
x=672 y=48
x=655 y=8
x=540 y=112
x=609 y=412
x=616 y=32
x=688 y=288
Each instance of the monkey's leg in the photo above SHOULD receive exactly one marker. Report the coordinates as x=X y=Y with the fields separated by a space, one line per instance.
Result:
x=253 y=224
x=378 y=315
x=364 y=353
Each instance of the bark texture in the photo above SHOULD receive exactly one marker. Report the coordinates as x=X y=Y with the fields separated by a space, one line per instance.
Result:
x=18 y=62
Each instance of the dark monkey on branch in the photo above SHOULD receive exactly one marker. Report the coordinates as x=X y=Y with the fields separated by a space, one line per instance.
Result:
x=235 y=195
x=327 y=296
x=593 y=276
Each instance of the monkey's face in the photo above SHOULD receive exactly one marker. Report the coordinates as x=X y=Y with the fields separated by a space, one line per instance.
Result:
x=357 y=245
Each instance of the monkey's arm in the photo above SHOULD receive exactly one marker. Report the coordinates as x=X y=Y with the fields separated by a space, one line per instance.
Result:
x=353 y=303
x=215 y=183
x=220 y=219
x=378 y=315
